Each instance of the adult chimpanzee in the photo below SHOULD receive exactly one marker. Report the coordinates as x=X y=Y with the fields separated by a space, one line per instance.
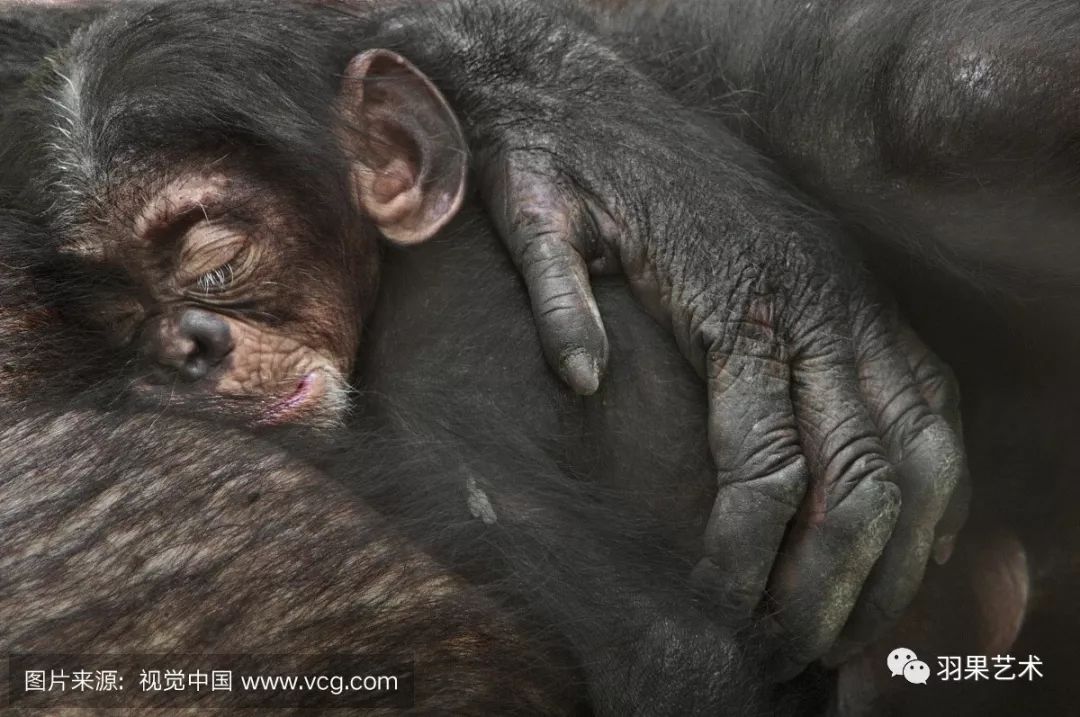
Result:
x=211 y=540
x=194 y=197
x=556 y=272
x=128 y=544
x=620 y=601
x=944 y=134
x=232 y=546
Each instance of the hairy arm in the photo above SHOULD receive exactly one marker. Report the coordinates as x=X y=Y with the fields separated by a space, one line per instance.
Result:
x=946 y=128
x=154 y=534
x=589 y=165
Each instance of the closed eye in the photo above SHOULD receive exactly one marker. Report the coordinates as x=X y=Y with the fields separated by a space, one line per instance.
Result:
x=214 y=259
x=216 y=280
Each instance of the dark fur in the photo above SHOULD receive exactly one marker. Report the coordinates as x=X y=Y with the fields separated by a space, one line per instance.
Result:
x=574 y=595
x=944 y=133
x=913 y=119
x=758 y=67
x=512 y=598
x=213 y=542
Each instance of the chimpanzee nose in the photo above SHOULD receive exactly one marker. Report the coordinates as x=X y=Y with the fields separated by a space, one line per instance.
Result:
x=193 y=343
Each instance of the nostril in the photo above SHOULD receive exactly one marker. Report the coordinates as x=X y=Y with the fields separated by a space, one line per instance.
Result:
x=192 y=344
x=195 y=368
x=211 y=349
x=209 y=332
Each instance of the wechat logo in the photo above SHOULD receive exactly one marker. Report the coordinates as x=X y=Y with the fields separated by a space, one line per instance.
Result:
x=904 y=662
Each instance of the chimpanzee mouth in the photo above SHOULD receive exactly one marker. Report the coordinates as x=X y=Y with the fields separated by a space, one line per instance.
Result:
x=310 y=387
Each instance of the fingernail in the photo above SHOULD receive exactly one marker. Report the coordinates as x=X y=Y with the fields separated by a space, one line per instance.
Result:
x=943 y=548
x=580 y=370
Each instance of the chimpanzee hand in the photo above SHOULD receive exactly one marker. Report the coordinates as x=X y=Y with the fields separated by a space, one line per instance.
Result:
x=832 y=427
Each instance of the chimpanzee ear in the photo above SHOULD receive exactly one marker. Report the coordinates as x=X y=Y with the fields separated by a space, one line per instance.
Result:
x=409 y=153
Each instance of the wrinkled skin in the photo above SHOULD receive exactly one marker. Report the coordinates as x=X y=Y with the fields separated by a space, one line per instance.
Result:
x=232 y=272
x=945 y=133
x=196 y=274
x=998 y=347
x=823 y=410
x=189 y=513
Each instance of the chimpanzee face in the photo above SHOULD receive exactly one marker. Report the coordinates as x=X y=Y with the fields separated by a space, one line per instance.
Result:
x=221 y=285
x=231 y=271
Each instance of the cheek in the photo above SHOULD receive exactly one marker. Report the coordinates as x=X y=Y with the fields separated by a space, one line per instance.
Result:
x=345 y=348
x=267 y=363
x=333 y=325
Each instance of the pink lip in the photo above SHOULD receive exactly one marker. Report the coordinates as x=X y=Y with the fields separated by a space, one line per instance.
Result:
x=281 y=410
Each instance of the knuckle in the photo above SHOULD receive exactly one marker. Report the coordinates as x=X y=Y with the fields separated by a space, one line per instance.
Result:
x=939 y=385
x=560 y=317
x=868 y=478
x=540 y=244
x=870 y=511
x=778 y=476
x=851 y=452
x=905 y=419
x=557 y=293
x=748 y=445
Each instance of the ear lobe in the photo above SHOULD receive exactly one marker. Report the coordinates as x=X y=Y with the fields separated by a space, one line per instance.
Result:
x=408 y=151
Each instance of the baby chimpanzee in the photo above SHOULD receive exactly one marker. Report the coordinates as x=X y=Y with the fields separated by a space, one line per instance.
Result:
x=216 y=209
x=240 y=264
